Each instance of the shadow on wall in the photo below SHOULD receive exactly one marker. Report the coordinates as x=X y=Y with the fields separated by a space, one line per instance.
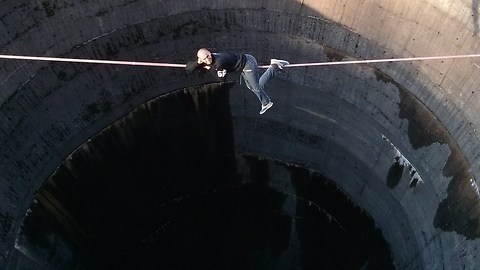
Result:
x=475 y=17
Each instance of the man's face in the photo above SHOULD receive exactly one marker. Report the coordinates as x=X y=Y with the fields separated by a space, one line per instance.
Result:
x=204 y=56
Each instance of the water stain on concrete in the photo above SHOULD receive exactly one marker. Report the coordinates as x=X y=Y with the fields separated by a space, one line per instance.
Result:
x=394 y=174
x=460 y=210
x=333 y=55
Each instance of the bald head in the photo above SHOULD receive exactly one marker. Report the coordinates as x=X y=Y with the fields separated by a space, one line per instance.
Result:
x=204 y=56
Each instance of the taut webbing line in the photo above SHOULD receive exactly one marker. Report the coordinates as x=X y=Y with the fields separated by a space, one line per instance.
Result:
x=383 y=60
x=91 y=61
x=155 y=64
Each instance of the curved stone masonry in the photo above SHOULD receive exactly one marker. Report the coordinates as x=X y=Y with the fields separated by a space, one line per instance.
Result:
x=332 y=119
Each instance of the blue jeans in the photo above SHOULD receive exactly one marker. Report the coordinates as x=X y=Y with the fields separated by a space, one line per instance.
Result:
x=254 y=83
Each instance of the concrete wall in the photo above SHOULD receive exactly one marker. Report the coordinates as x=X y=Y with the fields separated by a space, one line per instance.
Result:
x=425 y=110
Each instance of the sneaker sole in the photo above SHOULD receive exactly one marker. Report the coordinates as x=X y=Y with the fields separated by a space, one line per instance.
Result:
x=266 y=108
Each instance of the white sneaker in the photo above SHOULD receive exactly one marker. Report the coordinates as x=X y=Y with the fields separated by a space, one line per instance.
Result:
x=279 y=63
x=266 y=107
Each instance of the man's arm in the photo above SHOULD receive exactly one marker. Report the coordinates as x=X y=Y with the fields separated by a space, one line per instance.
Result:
x=192 y=66
x=195 y=66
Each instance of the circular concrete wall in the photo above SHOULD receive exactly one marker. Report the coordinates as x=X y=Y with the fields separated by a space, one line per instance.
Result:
x=400 y=139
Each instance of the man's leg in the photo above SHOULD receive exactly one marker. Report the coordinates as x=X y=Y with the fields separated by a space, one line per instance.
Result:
x=251 y=76
x=267 y=75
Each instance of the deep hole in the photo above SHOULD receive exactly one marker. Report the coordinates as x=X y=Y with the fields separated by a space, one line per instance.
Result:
x=161 y=189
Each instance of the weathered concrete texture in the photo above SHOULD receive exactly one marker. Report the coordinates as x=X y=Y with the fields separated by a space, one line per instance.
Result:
x=348 y=123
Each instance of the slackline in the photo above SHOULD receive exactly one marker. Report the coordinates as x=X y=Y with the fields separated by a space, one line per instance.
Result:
x=156 y=64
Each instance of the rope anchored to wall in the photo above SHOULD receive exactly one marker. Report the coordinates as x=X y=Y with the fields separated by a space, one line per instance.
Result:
x=155 y=64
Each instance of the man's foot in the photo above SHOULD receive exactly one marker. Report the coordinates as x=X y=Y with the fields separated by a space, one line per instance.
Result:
x=280 y=63
x=266 y=107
